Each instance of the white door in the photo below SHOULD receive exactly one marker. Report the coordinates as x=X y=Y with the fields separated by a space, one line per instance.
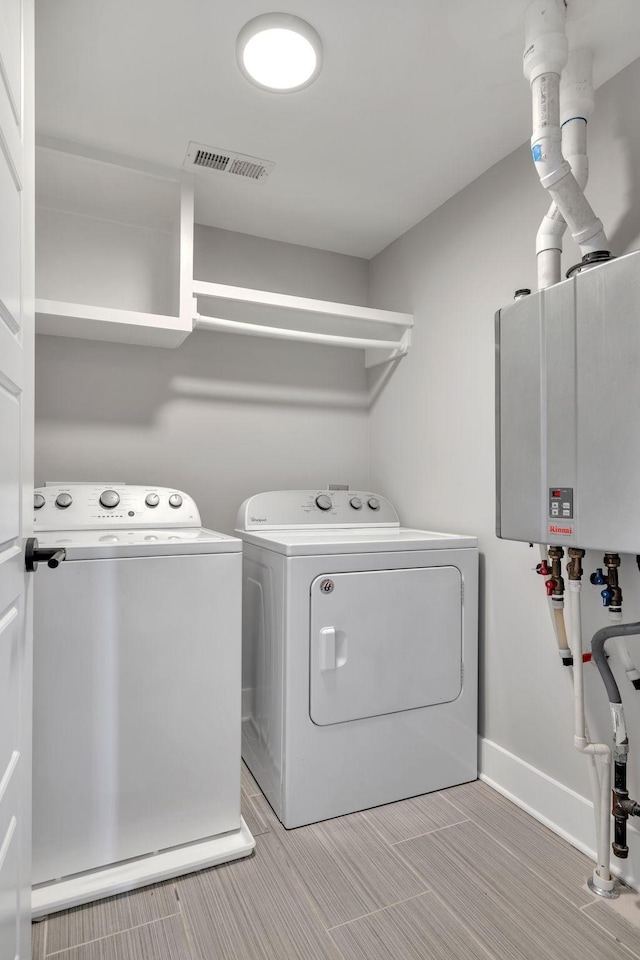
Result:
x=16 y=470
x=384 y=641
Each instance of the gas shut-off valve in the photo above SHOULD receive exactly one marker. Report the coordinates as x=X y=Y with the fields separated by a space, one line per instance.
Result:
x=555 y=584
x=612 y=594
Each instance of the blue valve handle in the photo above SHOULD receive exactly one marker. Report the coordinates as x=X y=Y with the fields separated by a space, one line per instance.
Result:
x=606 y=596
x=598 y=577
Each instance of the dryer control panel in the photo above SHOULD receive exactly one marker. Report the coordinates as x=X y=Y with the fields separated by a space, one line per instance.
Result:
x=92 y=506
x=286 y=509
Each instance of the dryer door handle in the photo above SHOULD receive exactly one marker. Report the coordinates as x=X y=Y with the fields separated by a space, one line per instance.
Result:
x=333 y=649
x=328 y=648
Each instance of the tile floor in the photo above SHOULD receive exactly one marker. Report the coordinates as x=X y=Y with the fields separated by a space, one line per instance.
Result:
x=457 y=875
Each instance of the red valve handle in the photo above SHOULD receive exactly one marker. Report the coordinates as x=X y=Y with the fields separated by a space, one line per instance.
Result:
x=550 y=585
x=543 y=569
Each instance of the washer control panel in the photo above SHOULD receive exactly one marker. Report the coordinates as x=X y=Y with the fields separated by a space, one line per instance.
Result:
x=316 y=508
x=92 y=506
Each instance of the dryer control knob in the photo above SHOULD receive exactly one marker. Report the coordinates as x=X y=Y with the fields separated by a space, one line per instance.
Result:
x=152 y=499
x=109 y=499
x=175 y=500
x=374 y=503
x=64 y=500
x=324 y=502
x=38 y=501
x=356 y=503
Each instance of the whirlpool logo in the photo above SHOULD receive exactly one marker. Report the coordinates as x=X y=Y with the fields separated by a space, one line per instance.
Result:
x=326 y=586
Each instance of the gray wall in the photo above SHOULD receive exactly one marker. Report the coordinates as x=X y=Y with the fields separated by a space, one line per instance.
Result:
x=432 y=424
x=222 y=416
x=225 y=416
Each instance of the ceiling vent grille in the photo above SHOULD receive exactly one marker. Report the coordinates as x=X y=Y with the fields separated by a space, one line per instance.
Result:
x=227 y=162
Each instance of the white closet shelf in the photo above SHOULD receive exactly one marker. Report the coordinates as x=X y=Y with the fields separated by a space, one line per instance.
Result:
x=383 y=334
x=89 y=322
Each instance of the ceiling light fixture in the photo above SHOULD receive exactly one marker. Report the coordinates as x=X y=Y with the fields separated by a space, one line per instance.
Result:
x=279 y=52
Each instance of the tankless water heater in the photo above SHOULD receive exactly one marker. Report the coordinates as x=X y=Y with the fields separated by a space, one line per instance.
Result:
x=568 y=411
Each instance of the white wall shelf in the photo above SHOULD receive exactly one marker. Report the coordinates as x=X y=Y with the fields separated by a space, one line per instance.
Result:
x=114 y=247
x=114 y=262
x=383 y=334
x=86 y=322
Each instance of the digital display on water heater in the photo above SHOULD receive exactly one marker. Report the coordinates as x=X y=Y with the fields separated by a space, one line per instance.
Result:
x=561 y=503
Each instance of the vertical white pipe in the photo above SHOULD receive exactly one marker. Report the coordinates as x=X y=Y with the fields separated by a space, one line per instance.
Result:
x=602 y=880
x=576 y=107
x=544 y=59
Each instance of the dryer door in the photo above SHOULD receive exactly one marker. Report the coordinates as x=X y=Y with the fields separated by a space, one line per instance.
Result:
x=384 y=641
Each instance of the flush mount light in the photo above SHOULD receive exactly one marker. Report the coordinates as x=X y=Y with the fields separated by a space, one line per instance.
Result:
x=279 y=52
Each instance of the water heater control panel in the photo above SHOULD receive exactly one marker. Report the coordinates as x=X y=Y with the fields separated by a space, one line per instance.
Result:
x=561 y=503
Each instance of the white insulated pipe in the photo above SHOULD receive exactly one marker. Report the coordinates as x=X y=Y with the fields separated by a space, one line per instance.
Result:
x=602 y=881
x=576 y=107
x=545 y=57
x=556 y=609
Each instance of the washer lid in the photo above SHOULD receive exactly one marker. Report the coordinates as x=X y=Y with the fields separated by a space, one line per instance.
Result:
x=313 y=542
x=161 y=542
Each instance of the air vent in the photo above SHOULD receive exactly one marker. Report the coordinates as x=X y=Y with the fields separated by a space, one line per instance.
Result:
x=228 y=162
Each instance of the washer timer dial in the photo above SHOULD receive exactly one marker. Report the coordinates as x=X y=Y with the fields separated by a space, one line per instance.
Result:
x=109 y=499
x=324 y=502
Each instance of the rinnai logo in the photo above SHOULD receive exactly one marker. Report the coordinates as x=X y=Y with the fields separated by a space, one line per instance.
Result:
x=568 y=531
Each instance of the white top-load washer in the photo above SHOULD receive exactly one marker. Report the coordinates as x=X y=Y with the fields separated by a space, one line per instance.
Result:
x=137 y=647
x=359 y=653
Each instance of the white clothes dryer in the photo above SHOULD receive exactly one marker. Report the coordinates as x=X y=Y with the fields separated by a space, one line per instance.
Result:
x=137 y=649
x=359 y=653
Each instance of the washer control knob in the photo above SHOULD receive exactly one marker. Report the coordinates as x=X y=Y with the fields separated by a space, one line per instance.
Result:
x=356 y=503
x=175 y=500
x=109 y=499
x=64 y=500
x=38 y=501
x=152 y=499
x=324 y=502
x=374 y=503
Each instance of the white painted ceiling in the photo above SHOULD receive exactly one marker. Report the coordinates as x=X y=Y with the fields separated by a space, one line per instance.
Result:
x=416 y=99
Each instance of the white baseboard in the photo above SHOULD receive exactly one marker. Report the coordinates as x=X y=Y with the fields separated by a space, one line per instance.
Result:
x=564 y=811
x=130 y=874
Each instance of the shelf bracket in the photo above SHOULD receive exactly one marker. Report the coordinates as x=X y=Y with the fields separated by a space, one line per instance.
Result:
x=375 y=356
